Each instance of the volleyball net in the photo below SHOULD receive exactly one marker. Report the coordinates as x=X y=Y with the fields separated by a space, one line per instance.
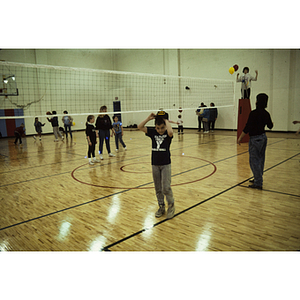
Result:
x=33 y=89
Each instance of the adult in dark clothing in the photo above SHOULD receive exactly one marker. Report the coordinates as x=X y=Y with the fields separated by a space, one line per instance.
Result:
x=103 y=124
x=213 y=114
x=19 y=132
x=257 y=120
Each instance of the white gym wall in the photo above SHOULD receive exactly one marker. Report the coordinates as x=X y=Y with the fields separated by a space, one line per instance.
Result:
x=278 y=71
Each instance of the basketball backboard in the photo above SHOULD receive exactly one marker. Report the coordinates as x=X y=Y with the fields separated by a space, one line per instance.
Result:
x=8 y=85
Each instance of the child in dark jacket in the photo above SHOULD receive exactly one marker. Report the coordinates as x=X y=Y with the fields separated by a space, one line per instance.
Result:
x=91 y=136
x=54 y=123
x=19 y=132
x=38 y=128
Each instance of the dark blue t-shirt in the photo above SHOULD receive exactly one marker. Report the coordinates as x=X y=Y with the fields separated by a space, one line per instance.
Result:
x=160 y=147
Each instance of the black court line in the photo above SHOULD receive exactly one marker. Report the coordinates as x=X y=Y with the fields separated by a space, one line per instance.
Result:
x=43 y=177
x=37 y=166
x=104 y=197
x=106 y=248
x=276 y=192
x=68 y=208
x=88 y=202
x=61 y=210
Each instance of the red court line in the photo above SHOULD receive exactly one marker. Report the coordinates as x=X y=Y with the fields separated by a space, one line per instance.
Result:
x=131 y=188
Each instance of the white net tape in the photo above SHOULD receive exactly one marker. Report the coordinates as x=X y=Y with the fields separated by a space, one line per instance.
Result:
x=80 y=91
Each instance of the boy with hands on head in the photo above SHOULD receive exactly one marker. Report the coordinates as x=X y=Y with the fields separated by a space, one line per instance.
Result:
x=161 y=137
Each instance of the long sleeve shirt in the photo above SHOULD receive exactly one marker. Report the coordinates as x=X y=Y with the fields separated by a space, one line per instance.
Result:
x=257 y=120
x=103 y=123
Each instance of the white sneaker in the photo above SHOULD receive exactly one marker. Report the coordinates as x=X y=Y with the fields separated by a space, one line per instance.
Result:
x=111 y=155
x=56 y=140
x=125 y=148
x=34 y=137
x=117 y=150
x=101 y=156
x=91 y=163
x=96 y=160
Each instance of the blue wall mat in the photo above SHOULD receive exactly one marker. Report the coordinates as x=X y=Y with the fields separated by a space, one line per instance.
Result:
x=19 y=112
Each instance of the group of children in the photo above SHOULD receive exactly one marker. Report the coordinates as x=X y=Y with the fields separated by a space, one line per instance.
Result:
x=161 y=136
x=102 y=131
x=67 y=120
x=58 y=131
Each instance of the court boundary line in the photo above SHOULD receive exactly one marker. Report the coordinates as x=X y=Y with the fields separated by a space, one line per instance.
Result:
x=135 y=157
x=276 y=192
x=94 y=200
x=101 y=198
x=106 y=248
x=160 y=222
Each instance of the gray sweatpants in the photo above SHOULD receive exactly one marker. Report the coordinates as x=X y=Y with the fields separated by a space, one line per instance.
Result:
x=162 y=182
x=56 y=131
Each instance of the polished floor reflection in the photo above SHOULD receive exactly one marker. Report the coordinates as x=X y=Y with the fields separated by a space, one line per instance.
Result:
x=53 y=200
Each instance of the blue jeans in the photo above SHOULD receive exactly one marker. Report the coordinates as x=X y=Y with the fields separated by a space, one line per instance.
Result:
x=66 y=130
x=118 y=137
x=257 y=150
x=104 y=135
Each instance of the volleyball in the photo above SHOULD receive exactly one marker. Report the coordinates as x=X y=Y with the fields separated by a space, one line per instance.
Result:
x=48 y=113
x=231 y=70
x=73 y=123
x=236 y=67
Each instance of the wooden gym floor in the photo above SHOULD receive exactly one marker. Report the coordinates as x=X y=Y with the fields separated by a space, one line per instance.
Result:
x=53 y=200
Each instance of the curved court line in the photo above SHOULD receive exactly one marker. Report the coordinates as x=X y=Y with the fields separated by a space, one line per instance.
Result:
x=122 y=168
x=140 y=187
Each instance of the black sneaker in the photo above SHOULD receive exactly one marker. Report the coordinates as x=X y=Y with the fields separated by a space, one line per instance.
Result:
x=254 y=186
x=251 y=180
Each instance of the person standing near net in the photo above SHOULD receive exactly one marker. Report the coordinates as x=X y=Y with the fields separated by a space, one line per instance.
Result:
x=161 y=137
x=118 y=132
x=54 y=123
x=38 y=128
x=255 y=126
x=213 y=114
x=180 y=126
x=199 y=112
x=246 y=82
x=103 y=125
x=19 y=132
x=205 y=119
x=91 y=136
x=68 y=121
